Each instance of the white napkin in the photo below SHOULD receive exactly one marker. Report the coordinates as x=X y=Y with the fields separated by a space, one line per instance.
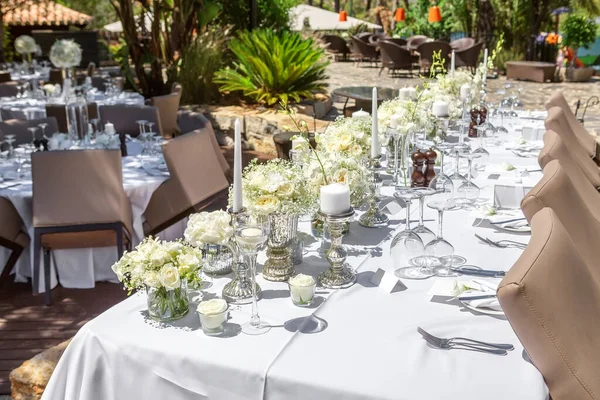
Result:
x=485 y=287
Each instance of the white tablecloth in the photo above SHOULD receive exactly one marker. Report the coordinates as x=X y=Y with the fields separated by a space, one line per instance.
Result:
x=370 y=349
x=81 y=268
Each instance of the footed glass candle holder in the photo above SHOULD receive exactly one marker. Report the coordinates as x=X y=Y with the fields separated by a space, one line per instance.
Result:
x=374 y=217
x=339 y=275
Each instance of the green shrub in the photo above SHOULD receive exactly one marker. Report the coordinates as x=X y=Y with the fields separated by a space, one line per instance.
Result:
x=271 y=67
x=199 y=62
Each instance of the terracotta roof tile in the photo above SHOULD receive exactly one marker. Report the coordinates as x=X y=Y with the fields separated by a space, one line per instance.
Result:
x=43 y=12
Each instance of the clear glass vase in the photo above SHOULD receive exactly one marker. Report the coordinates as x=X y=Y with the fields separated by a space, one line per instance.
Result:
x=218 y=259
x=167 y=305
x=279 y=266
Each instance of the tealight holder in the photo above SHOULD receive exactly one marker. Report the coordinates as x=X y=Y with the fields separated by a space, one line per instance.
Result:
x=339 y=275
x=374 y=217
x=239 y=290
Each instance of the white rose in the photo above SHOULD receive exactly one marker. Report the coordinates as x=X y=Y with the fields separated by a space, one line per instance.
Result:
x=159 y=257
x=267 y=204
x=169 y=277
x=187 y=260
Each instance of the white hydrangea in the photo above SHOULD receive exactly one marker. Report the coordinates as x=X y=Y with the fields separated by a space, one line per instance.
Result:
x=25 y=44
x=65 y=53
x=208 y=228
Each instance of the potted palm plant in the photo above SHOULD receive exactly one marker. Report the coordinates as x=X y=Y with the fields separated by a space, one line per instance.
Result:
x=578 y=31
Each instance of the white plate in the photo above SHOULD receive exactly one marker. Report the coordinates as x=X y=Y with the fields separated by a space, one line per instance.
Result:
x=482 y=310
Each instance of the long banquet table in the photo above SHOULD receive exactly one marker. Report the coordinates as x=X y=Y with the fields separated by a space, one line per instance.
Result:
x=81 y=268
x=369 y=350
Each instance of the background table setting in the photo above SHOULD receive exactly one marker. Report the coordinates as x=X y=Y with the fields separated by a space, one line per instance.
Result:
x=359 y=342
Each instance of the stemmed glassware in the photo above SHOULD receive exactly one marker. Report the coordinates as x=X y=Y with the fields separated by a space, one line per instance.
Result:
x=424 y=232
x=485 y=155
x=456 y=176
x=43 y=126
x=10 y=139
x=441 y=180
x=251 y=233
x=407 y=245
x=32 y=131
x=468 y=192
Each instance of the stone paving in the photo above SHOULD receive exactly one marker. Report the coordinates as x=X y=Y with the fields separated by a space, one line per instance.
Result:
x=533 y=94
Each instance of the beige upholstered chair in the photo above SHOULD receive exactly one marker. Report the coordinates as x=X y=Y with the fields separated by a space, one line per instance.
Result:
x=573 y=159
x=197 y=182
x=191 y=121
x=551 y=298
x=574 y=201
x=18 y=127
x=9 y=89
x=124 y=117
x=167 y=106
x=11 y=236
x=78 y=202
x=558 y=122
x=587 y=139
x=59 y=111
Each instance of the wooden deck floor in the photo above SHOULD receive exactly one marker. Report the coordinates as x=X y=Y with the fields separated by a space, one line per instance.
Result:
x=28 y=327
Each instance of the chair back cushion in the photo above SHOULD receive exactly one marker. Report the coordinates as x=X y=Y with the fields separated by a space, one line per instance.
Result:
x=557 y=122
x=190 y=121
x=75 y=187
x=18 y=127
x=196 y=175
x=167 y=106
x=124 y=117
x=587 y=140
x=9 y=89
x=576 y=205
x=551 y=298
x=581 y=169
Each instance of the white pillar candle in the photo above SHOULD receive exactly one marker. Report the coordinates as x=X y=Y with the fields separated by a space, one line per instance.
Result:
x=360 y=113
x=237 y=167
x=213 y=313
x=302 y=289
x=465 y=91
x=374 y=130
x=109 y=128
x=335 y=199
x=440 y=109
x=485 y=63
x=412 y=93
x=298 y=143
x=403 y=93
x=394 y=121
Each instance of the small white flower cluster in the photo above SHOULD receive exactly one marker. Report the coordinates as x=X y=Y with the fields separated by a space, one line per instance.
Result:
x=208 y=228
x=107 y=141
x=65 y=53
x=276 y=186
x=25 y=44
x=413 y=116
x=157 y=264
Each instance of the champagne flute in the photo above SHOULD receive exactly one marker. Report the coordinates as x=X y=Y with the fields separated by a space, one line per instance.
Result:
x=251 y=233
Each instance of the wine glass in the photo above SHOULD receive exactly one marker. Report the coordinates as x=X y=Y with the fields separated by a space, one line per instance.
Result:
x=424 y=232
x=456 y=176
x=251 y=233
x=10 y=139
x=468 y=192
x=32 y=130
x=43 y=126
x=441 y=180
x=485 y=155
x=407 y=245
x=440 y=252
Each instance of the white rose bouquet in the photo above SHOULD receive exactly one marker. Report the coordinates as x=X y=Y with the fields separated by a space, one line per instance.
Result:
x=159 y=265
x=276 y=186
x=65 y=53
x=208 y=228
x=413 y=115
x=347 y=137
x=25 y=45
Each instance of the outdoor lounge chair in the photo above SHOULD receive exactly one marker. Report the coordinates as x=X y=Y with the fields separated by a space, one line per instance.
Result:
x=426 y=51
x=364 y=51
x=468 y=57
x=337 y=46
x=394 y=57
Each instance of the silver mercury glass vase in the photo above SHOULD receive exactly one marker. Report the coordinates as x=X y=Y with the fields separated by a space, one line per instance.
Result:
x=239 y=290
x=279 y=266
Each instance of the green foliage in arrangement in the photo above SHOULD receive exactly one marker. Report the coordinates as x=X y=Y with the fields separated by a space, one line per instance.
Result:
x=271 y=67
x=199 y=62
x=579 y=31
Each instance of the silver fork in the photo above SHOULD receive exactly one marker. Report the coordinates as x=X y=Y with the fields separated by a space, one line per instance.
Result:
x=502 y=243
x=471 y=344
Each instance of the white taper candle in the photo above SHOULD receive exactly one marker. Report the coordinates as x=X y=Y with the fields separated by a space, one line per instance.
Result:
x=237 y=167
x=452 y=64
x=485 y=62
x=374 y=130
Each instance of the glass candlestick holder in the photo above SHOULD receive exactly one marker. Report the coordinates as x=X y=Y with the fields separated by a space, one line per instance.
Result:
x=339 y=275
x=374 y=217
x=239 y=290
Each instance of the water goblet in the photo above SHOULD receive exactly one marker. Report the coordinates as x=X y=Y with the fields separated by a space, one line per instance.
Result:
x=407 y=245
x=43 y=126
x=440 y=252
x=441 y=180
x=424 y=232
x=251 y=233
x=32 y=130
x=485 y=155
x=456 y=177
x=468 y=192
x=142 y=126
